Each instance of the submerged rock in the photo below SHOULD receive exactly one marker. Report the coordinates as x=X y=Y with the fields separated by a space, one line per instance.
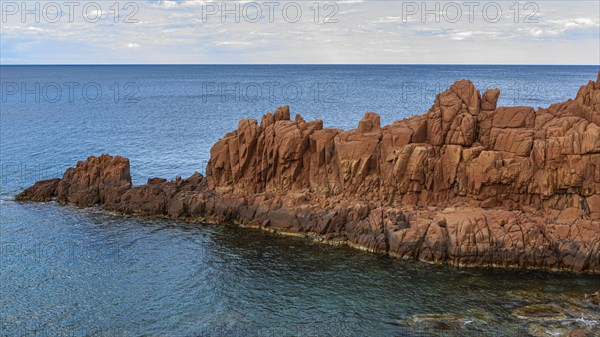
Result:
x=467 y=183
x=577 y=333
x=546 y=312
x=444 y=324
x=562 y=329
x=438 y=322
x=593 y=298
x=537 y=330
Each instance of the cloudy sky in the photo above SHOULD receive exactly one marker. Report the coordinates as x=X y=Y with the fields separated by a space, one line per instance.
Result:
x=347 y=31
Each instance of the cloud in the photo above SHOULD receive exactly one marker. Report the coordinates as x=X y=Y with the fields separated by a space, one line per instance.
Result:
x=233 y=43
x=173 y=31
x=565 y=28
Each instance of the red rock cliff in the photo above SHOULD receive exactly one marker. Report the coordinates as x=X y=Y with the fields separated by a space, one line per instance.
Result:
x=463 y=150
x=466 y=183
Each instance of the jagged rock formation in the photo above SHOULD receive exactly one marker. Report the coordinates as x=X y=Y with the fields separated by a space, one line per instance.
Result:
x=466 y=183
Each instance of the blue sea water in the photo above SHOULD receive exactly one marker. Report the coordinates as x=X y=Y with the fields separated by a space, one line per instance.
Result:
x=79 y=272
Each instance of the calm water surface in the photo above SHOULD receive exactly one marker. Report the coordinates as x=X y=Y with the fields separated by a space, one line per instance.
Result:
x=82 y=272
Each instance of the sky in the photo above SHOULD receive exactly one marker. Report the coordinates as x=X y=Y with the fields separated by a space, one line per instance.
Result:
x=300 y=32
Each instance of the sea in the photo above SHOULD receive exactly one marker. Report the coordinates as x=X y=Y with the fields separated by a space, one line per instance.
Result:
x=68 y=271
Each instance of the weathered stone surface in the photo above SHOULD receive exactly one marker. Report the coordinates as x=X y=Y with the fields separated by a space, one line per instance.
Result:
x=517 y=141
x=514 y=117
x=452 y=118
x=95 y=181
x=41 y=191
x=467 y=183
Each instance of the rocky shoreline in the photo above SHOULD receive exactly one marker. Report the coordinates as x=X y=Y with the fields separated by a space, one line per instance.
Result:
x=467 y=183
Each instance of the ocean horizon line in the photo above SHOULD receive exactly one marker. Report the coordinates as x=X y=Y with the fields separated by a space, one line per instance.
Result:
x=297 y=64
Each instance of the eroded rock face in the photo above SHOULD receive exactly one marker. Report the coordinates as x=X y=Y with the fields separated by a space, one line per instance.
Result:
x=467 y=183
x=43 y=190
x=464 y=150
x=98 y=180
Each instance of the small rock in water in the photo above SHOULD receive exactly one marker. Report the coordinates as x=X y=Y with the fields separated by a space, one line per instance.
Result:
x=537 y=330
x=577 y=333
x=594 y=298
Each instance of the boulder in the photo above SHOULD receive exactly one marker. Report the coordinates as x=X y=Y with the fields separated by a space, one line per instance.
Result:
x=41 y=191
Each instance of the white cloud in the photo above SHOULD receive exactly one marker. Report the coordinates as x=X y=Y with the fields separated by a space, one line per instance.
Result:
x=561 y=27
x=173 y=31
x=233 y=43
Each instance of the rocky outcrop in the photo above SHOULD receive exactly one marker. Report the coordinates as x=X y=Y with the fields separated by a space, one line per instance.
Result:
x=43 y=190
x=98 y=180
x=467 y=183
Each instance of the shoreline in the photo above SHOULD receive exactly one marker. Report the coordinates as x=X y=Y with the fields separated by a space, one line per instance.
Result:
x=320 y=239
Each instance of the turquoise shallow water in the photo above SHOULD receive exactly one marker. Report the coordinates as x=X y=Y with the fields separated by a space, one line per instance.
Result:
x=66 y=271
